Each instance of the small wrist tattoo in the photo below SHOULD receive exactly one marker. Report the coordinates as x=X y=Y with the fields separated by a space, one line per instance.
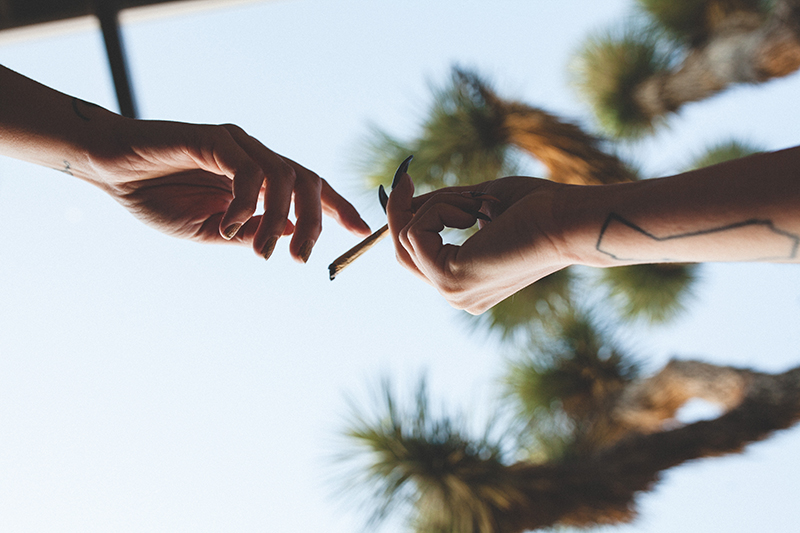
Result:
x=67 y=168
x=77 y=103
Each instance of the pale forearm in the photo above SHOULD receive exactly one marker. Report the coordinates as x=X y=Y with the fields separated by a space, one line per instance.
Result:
x=194 y=181
x=745 y=210
x=49 y=128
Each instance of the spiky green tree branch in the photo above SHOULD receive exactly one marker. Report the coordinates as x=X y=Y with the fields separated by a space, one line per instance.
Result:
x=471 y=134
x=688 y=50
x=453 y=483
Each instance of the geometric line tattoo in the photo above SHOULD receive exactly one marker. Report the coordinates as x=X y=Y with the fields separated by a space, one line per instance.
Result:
x=785 y=244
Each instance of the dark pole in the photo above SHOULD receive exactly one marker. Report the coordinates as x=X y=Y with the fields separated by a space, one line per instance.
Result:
x=108 y=13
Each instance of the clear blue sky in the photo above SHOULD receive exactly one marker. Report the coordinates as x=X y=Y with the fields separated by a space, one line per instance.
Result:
x=150 y=384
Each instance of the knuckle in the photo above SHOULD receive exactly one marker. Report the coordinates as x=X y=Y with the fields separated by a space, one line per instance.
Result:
x=452 y=291
x=405 y=239
x=455 y=300
x=314 y=225
x=233 y=129
x=404 y=260
x=286 y=171
x=281 y=170
x=310 y=180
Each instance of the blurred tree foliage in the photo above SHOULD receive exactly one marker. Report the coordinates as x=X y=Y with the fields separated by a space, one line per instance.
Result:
x=680 y=51
x=584 y=429
x=427 y=468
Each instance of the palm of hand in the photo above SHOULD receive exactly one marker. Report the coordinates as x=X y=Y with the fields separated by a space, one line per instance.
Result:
x=187 y=204
x=513 y=250
x=171 y=176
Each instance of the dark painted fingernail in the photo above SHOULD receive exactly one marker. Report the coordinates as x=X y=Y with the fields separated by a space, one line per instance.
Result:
x=402 y=169
x=383 y=198
x=305 y=250
x=230 y=231
x=269 y=247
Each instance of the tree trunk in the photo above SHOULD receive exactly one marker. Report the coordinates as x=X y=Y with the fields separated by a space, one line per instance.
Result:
x=743 y=48
x=570 y=154
x=601 y=489
x=645 y=406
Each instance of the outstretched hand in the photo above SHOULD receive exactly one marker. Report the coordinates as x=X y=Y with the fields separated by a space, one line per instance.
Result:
x=517 y=247
x=205 y=182
x=194 y=181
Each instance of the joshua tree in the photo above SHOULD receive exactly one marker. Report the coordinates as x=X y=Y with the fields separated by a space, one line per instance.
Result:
x=447 y=481
x=589 y=430
x=562 y=390
x=472 y=135
x=684 y=51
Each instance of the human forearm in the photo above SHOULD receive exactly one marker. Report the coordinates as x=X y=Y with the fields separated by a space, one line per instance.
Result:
x=744 y=210
x=195 y=181
x=49 y=128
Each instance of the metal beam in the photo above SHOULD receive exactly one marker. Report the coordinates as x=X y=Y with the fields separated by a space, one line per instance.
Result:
x=108 y=14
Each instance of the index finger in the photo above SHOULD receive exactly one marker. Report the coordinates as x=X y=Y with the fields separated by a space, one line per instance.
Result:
x=342 y=211
x=418 y=201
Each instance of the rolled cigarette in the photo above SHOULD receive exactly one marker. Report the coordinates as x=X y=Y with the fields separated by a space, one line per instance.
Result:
x=344 y=260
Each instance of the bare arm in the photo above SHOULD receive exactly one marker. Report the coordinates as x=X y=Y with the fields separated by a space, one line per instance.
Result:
x=744 y=210
x=201 y=182
x=43 y=126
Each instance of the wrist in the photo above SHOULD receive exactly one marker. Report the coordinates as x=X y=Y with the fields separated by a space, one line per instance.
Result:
x=105 y=142
x=579 y=212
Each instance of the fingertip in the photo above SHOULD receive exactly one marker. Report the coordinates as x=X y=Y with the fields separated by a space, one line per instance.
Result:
x=238 y=213
x=266 y=250
x=229 y=231
x=362 y=229
x=247 y=232
x=304 y=252
x=352 y=222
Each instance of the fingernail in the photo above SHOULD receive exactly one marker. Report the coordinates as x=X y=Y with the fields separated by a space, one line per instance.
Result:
x=230 y=232
x=269 y=247
x=402 y=169
x=383 y=198
x=477 y=214
x=305 y=250
x=480 y=195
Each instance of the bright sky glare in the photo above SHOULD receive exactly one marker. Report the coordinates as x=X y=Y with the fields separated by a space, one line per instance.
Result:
x=150 y=384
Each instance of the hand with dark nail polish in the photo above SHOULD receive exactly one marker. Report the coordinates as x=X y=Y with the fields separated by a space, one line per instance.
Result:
x=467 y=274
x=747 y=209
